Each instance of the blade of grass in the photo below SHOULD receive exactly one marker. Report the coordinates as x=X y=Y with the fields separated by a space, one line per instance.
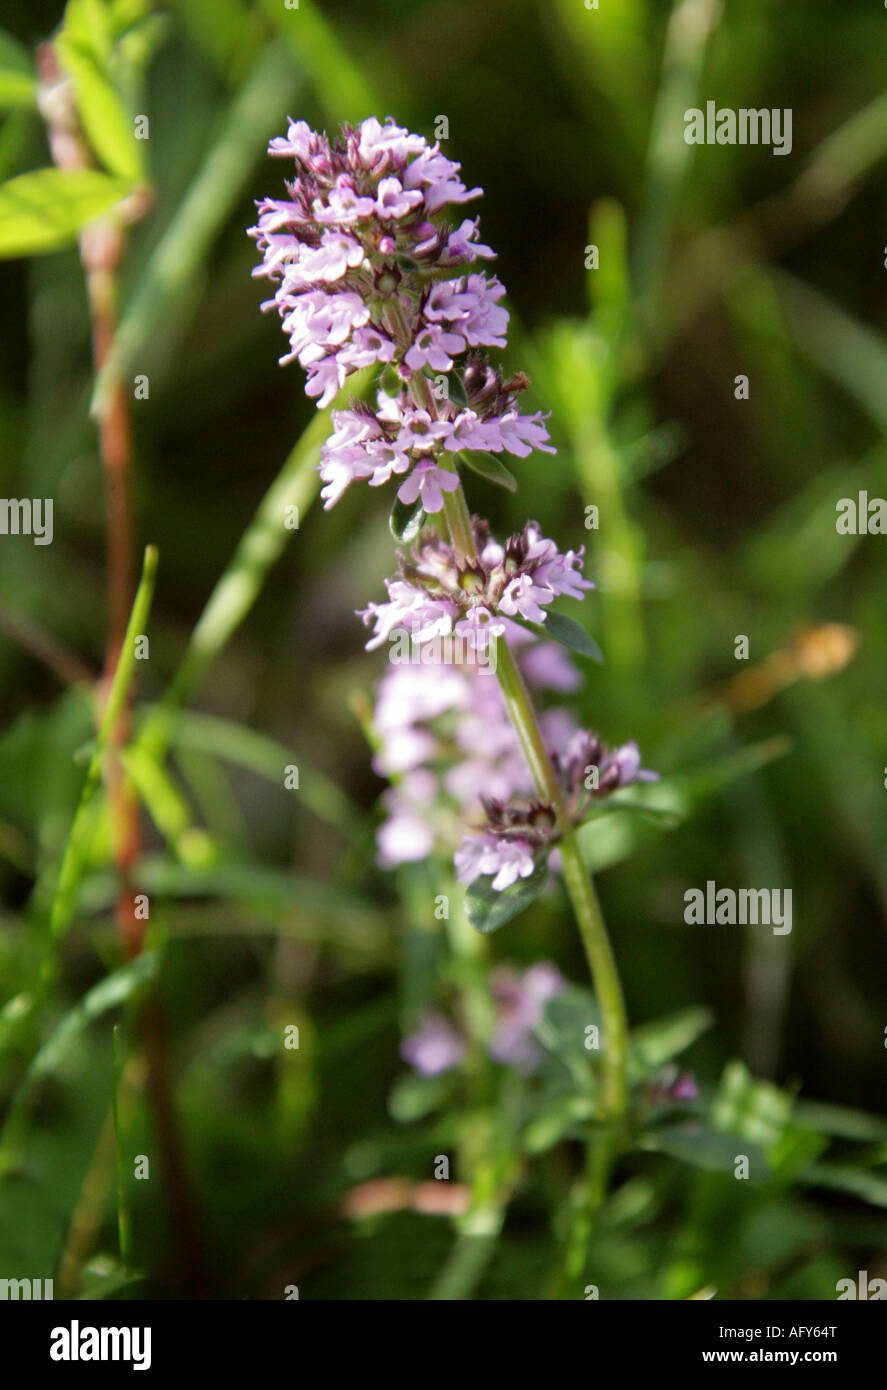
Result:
x=340 y=84
x=689 y=29
x=210 y=200
x=231 y=742
x=124 y=1224
x=109 y=993
x=259 y=548
x=849 y=352
x=72 y=862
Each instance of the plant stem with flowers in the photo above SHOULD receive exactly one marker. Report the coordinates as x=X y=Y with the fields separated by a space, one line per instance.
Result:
x=367 y=273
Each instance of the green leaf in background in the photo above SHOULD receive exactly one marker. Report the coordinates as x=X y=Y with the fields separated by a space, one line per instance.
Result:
x=655 y=1043
x=489 y=467
x=413 y=1097
x=571 y=634
x=567 y=631
x=639 y=800
x=609 y=288
x=109 y=993
x=44 y=210
x=108 y=125
x=607 y=840
x=124 y=1220
x=841 y=1122
x=211 y=196
x=556 y=1120
x=565 y=1032
x=763 y=1114
x=488 y=910
x=871 y=1187
x=695 y=1143
x=228 y=741
x=343 y=85
x=18 y=85
x=456 y=388
x=405 y=521
x=85 y=48
x=228 y=30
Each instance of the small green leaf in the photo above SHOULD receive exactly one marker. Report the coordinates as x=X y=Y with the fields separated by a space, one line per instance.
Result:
x=655 y=1043
x=414 y=1097
x=115 y=989
x=18 y=85
x=405 y=521
x=608 y=840
x=702 y=1147
x=756 y=1110
x=570 y=1030
x=456 y=388
x=44 y=210
x=89 y=23
x=871 y=1187
x=635 y=799
x=557 y=1120
x=489 y=910
x=570 y=634
x=83 y=754
x=557 y=628
x=841 y=1122
x=489 y=467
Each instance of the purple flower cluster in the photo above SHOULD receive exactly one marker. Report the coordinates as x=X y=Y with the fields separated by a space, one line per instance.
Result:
x=519 y=1001
x=436 y=593
x=446 y=742
x=513 y=841
x=588 y=769
x=369 y=272
x=363 y=261
x=518 y=834
x=400 y=437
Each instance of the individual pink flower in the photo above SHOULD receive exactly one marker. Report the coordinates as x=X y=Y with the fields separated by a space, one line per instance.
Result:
x=520 y=1001
x=426 y=484
x=505 y=860
x=434 y=1047
x=410 y=609
x=521 y=434
x=392 y=200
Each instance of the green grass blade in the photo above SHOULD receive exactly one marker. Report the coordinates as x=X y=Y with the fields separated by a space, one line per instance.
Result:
x=213 y=195
x=124 y=1224
x=72 y=862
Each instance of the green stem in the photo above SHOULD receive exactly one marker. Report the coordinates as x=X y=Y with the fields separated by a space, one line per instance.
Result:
x=578 y=883
x=459 y=521
x=602 y=1146
x=603 y=1143
x=585 y=1200
x=72 y=861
